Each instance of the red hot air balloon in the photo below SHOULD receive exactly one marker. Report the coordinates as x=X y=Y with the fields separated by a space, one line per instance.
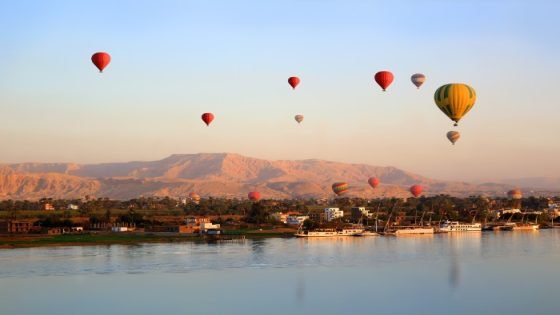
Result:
x=207 y=118
x=416 y=190
x=293 y=81
x=384 y=79
x=101 y=60
x=254 y=195
x=373 y=182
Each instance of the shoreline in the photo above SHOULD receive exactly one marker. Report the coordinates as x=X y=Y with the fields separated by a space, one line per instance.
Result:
x=89 y=239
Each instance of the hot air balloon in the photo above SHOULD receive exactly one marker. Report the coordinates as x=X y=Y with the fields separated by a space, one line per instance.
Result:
x=293 y=81
x=416 y=190
x=453 y=136
x=384 y=79
x=515 y=194
x=194 y=197
x=373 y=182
x=299 y=118
x=207 y=118
x=418 y=79
x=254 y=195
x=340 y=188
x=101 y=60
x=455 y=100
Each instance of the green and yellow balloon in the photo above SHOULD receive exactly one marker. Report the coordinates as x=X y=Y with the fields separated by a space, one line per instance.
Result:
x=455 y=100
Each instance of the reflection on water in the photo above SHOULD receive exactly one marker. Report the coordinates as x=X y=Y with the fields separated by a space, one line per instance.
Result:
x=391 y=275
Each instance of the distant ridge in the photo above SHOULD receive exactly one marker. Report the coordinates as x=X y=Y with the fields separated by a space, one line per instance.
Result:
x=220 y=175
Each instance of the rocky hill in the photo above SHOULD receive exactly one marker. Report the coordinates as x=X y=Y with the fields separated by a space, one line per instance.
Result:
x=220 y=174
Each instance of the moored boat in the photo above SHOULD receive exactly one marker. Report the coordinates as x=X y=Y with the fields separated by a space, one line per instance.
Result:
x=408 y=230
x=456 y=226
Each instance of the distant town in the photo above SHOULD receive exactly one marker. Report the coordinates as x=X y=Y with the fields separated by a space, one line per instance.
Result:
x=218 y=217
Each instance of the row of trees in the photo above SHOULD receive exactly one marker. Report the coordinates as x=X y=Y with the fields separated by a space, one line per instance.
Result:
x=438 y=207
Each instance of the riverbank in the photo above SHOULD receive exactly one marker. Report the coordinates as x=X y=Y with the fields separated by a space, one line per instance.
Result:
x=107 y=238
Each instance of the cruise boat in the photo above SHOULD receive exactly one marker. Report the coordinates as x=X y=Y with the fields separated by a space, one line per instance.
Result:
x=456 y=226
x=354 y=231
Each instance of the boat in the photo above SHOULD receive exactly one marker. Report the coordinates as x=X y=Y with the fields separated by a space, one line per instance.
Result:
x=525 y=227
x=407 y=230
x=367 y=233
x=456 y=226
x=327 y=232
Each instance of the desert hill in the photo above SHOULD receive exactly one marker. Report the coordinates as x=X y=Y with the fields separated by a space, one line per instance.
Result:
x=219 y=174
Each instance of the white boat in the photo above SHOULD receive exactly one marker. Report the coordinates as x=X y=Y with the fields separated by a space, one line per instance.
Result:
x=407 y=230
x=367 y=233
x=525 y=227
x=329 y=232
x=456 y=226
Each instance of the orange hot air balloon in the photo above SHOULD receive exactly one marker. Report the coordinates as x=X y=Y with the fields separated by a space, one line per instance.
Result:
x=207 y=118
x=515 y=194
x=416 y=190
x=384 y=79
x=194 y=197
x=293 y=81
x=254 y=195
x=340 y=188
x=101 y=60
x=373 y=182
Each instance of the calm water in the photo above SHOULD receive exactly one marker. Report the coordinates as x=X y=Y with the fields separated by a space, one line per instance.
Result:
x=488 y=273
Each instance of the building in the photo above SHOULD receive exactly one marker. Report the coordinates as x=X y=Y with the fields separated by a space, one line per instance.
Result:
x=209 y=228
x=182 y=229
x=296 y=219
x=360 y=212
x=196 y=221
x=15 y=226
x=280 y=217
x=333 y=213
x=317 y=217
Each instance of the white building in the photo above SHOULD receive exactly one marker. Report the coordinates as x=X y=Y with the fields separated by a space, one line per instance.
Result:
x=333 y=213
x=297 y=219
x=208 y=227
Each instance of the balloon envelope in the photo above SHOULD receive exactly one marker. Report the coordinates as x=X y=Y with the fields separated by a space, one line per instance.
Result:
x=254 y=195
x=207 y=118
x=194 y=197
x=373 y=182
x=515 y=194
x=101 y=60
x=455 y=100
x=453 y=136
x=299 y=118
x=340 y=188
x=293 y=81
x=384 y=79
x=416 y=190
x=418 y=79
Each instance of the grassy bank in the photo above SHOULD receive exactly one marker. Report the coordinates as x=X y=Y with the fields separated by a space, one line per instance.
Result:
x=29 y=240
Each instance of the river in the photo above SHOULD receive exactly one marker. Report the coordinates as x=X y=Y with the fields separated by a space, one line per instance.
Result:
x=470 y=273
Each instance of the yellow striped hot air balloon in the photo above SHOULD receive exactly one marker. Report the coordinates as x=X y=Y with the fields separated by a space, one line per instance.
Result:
x=340 y=188
x=455 y=100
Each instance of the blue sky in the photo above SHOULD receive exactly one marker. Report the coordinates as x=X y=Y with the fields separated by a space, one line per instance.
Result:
x=174 y=60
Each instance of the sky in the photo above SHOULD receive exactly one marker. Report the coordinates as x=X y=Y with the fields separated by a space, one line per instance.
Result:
x=174 y=60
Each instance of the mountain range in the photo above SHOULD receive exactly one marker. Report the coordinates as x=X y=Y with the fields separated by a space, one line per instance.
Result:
x=219 y=175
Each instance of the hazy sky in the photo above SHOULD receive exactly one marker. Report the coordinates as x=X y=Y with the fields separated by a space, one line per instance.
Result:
x=174 y=60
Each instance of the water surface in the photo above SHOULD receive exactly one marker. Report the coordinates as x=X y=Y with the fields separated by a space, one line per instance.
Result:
x=484 y=273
